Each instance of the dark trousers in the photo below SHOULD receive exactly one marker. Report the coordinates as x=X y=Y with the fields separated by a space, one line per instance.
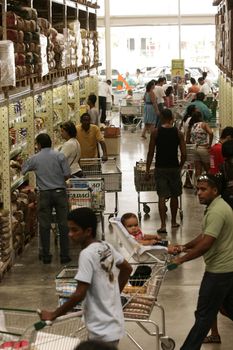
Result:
x=47 y=201
x=102 y=107
x=216 y=291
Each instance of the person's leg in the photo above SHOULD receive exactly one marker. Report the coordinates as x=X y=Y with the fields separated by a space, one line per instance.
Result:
x=213 y=291
x=198 y=168
x=174 y=208
x=45 y=219
x=144 y=130
x=61 y=207
x=103 y=108
x=214 y=336
x=162 y=213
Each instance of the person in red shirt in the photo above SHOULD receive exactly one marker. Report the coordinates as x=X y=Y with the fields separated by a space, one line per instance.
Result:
x=216 y=158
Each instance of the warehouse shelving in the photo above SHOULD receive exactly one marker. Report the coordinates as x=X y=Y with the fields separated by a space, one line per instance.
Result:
x=40 y=104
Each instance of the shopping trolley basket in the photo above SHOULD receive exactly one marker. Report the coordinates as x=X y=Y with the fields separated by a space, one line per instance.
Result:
x=140 y=298
x=188 y=167
x=87 y=192
x=131 y=114
x=143 y=185
x=109 y=171
x=65 y=332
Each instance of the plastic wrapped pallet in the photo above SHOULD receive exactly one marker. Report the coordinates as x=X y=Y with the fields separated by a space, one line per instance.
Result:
x=7 y=63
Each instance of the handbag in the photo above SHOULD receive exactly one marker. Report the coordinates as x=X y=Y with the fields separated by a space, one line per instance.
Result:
x=111 y=131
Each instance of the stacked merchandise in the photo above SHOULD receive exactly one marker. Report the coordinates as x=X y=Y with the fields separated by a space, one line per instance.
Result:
x=23 y=217
x=29 y=46
x=5 y=237
x=71 y=48
x=45 y=29
x=85 y=47
x=93 y=48
x=74 y=30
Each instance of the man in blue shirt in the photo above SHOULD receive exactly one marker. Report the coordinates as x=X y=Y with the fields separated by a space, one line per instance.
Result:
x=51 y=169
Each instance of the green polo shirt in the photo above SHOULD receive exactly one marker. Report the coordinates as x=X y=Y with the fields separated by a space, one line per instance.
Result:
x=218 y=223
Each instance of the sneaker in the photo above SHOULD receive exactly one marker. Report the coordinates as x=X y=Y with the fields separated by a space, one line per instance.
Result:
x=65 y=259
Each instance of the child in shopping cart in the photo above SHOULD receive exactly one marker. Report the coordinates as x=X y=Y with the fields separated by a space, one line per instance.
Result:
x=130 y=222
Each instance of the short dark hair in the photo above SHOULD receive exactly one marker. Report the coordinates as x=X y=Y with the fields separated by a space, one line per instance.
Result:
x=192 y=81
x=166 y=114
x=227 y=131
x=196 y=117
x=85 y=218
x=160 y=80
x=95 y=345
x=227 y=149
x=127 y=216
x=200 y=96
x=200 y=79
x=109 y=82
x=43 y=140
x=213 y=180
x=84 y=115
x=92 y=98
x=169 y=90
x=70 y=128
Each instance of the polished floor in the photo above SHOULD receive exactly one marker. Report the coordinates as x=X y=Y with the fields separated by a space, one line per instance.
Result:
x=31 y=285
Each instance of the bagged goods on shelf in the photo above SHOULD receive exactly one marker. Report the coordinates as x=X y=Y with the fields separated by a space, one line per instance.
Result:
x=7 y=63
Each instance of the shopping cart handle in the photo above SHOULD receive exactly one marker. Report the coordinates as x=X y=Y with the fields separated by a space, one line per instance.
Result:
x=172 y=266
x=41 y=324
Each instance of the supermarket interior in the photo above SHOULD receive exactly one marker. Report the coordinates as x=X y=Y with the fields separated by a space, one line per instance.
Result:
x=54 y=56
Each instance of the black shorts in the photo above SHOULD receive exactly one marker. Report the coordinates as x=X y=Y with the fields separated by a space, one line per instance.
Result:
x=168 y=182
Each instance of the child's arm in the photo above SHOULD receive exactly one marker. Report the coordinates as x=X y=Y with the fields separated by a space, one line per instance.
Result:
x=149 y=237
x=147 y=241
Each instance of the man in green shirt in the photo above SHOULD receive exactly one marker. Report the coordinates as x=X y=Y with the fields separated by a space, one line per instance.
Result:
x=215 y=243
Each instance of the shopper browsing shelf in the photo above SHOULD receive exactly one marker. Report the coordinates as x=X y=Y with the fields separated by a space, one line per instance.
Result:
x=51 y=169
x=93 y=111
x=71 y=148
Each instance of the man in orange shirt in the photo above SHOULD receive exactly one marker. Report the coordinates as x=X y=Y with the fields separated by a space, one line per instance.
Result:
x=89 y=135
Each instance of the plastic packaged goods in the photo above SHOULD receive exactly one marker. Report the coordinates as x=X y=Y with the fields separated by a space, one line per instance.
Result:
x=7 y=63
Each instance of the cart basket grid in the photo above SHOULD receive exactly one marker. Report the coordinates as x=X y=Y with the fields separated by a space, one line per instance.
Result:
x=141 y=184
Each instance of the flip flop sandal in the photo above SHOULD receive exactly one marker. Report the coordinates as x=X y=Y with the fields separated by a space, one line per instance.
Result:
x=212 y=339
x=161 y=230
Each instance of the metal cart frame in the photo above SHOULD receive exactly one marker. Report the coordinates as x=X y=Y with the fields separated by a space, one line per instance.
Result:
x=141 y=299
x=143 y=185
x=65 y=332
x=135 y=109
x=109 y=171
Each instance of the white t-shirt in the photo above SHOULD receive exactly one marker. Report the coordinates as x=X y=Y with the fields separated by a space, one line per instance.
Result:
x=94 y=114
x=102 y=306
x=205 y=88
x=109 y=95
x=71 y=149
x=159 y=93
x=104 y=89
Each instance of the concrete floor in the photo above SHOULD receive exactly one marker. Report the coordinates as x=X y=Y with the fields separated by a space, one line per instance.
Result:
x=30 y=284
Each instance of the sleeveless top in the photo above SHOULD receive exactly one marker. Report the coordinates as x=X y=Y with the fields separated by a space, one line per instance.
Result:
x=167 y=143
x=198 y=135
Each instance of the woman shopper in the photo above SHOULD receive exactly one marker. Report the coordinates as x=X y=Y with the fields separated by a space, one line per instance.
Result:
x=71 y=148
x=200 y=134
x=151 y=111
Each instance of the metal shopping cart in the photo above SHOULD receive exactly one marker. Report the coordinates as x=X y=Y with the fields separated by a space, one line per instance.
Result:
x=65 y=332
x=88 y=192
x=109 y=171
x=143 y=185
x=140 y=299
x=131 y=114
x=188 y=168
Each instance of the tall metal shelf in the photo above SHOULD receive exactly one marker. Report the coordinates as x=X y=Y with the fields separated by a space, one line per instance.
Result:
x=41 y=104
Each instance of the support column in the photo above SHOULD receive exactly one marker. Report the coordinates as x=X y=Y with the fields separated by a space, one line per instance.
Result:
x=107 y=40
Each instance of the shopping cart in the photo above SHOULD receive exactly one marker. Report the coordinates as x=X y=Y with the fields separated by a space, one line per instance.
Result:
x=109 y=171
x=131 y=114
x=140 y=299
x=87 y=192
x=66 y=285
x=188 y=168
x=65 y=332
x=143 y=185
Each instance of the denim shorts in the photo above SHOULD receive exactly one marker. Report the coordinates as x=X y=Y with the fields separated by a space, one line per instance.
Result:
x=168 y=182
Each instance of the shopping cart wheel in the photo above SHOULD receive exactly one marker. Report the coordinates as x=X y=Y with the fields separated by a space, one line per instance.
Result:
x=168 y=344
x=181 y=215
x=146 y=208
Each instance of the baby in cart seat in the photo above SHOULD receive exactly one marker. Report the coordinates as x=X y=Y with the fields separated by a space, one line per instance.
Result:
x=130 y=222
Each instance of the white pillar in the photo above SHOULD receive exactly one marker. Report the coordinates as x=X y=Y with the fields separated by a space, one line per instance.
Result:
x=179 y=29
x=107 y=39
